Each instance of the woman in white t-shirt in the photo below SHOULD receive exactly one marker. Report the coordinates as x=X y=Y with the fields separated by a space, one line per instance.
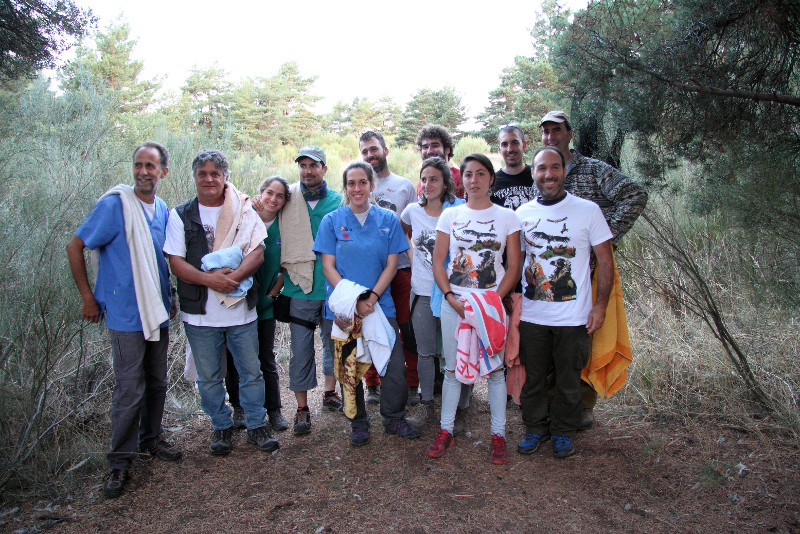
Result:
x=475 y=235
x=419 y=219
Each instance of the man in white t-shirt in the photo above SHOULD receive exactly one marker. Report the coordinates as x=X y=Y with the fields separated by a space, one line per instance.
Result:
x=220 y=217
x=394 y=193
x=559 y=231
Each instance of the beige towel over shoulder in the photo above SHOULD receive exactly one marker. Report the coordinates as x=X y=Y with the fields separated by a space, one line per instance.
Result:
x=297 y=241
x=146 y=280
x=238 y=225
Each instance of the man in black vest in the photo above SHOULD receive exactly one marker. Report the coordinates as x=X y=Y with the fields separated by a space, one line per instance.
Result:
x=218 y=306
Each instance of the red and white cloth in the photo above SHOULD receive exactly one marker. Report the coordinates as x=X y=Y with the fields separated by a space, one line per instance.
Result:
x=481 y=336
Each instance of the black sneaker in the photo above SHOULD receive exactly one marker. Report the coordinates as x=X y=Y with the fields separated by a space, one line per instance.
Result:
x=333 y=402
x=165 y=451
x=530 y=443
x=402 y=429
x=261 y=438
x=277 y=421
x=302 y=422
x=239 y=418
x=359 y=436
x=114 y=483
x=563 y=447
x=221 y=441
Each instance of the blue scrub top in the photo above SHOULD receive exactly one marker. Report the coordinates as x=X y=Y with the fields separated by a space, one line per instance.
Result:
x=104 y=229
x=361 y=252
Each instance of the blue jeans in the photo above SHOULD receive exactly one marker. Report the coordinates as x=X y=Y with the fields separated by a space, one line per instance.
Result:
x=242 y=341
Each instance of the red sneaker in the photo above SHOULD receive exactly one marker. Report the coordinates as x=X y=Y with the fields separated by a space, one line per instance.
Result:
x=499 y=453
x=443 y=441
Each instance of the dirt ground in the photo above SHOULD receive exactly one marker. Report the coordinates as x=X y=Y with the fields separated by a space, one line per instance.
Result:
x=629 y=475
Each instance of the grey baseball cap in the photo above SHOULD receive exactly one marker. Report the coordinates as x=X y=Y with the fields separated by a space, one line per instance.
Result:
x=313 y=152
x=555 y=116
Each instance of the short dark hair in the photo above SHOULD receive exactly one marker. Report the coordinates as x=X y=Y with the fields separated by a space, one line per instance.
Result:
x=436 y=131
x=372 y=134
x=447 y=177
x=483 y=160
x=162 y=152
x=511 y=128
x=204 y=156
x=265 y=183
x=551 y=149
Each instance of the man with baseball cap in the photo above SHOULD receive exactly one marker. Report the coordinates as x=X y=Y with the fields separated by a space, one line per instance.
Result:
x=620 y=199
x=304 y=283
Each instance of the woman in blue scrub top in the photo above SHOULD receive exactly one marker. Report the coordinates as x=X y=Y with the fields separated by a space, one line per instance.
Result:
x=360 y=242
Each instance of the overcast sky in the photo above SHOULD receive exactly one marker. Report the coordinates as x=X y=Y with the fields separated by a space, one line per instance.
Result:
x=364 y=49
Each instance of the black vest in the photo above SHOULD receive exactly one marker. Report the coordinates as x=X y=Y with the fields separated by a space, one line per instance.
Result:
x=193 y=296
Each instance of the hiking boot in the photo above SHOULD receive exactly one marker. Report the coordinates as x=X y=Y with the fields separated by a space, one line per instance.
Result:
x=221 y=441
x=530 y=443
x=359 y=436
x=373 y=395
x=277 y=421
x=443 y=441
x=332 y=401
x=460 y=423
x=402 y=429
x=164 y=451
x=562 y=446
x=587 y=422
x=413 y=396
x=499 y=453
x=239 y=418
x=423 y=414
x=302 y=422
x=114 y=482
x=261 y=438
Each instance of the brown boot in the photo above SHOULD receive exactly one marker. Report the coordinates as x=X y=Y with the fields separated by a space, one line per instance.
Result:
x=423 y=414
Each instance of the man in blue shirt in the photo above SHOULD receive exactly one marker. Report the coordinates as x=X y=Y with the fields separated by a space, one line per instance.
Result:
x=136 y=318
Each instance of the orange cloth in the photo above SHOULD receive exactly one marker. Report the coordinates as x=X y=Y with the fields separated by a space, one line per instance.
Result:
x=515 y=370
x=611 y=347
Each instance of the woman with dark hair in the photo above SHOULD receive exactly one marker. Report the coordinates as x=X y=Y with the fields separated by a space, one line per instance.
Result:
x=437 y=191
x=273 y=195
x=475 y=235
x=359 y=244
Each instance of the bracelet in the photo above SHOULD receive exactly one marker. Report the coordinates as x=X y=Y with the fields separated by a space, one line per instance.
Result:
x=448 y=293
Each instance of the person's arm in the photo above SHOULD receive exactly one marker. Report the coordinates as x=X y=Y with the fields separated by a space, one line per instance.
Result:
x=406 y=228
x=276 y=288
x=217 y=280
x=440 y=250
x=628 y=197
x=77 y=264
x=605 y=281
x=513 y=272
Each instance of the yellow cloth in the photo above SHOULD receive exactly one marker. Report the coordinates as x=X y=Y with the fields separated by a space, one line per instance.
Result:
x=347 y=370
x=611 y=347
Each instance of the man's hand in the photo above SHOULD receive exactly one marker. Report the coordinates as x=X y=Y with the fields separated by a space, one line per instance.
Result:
x=220 y=282
x=91 y=311
x=597 y=316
